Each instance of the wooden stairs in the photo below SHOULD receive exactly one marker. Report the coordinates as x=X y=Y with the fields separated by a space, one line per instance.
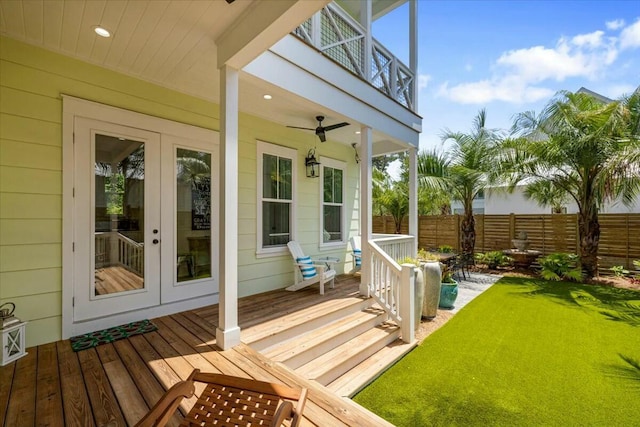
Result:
x=343 y=344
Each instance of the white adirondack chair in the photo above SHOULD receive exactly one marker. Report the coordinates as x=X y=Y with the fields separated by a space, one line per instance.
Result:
x=308 y=271
x=356 y=252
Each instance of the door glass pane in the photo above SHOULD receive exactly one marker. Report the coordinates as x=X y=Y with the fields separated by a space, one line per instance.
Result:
x=119 y=215
x=193 y=213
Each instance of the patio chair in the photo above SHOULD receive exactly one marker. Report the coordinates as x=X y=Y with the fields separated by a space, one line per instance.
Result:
x=308 y=271
x=228 y=400
x=460 y=265
x=356 y=252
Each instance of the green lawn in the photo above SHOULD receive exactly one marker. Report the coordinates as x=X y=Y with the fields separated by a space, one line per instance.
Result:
x=525 y=352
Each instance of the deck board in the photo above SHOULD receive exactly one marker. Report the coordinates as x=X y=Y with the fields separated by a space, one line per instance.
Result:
x=48 y=394
x=21 y=410
x=77 y=408
x=115 y=384
x=6 y=380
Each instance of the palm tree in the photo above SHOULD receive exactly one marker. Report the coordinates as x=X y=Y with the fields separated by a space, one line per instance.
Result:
x=463 y=171
x=588 y=149
x=546 y=193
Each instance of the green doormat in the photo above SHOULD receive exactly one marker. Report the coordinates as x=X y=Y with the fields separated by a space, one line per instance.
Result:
x=93 y=339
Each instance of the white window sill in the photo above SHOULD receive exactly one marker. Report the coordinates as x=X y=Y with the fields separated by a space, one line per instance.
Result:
x=272 y=252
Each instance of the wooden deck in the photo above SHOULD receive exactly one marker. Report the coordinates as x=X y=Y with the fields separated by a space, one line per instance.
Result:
x=114 y=279
x=115 y=384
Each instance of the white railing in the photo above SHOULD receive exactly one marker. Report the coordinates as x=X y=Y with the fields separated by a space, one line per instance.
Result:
x=131 y=254
x=340 y=37
x=128 y=253
x=392 y=286
x=397 y=246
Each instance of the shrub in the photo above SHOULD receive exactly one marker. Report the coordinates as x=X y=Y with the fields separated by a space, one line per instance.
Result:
x=494 y=259
x=427 y=256
x=409 y=260
x=560 y=266
x=447 y=273
x=619 y=271
x=445 y=249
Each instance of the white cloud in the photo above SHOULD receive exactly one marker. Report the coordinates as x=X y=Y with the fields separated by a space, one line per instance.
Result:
x=510 y=90
x=423 y=81
x=630 y=36
x=518 y=75
x=592 y=39
x=615 y=25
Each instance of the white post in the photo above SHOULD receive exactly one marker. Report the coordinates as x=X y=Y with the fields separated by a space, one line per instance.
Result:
x=407 y=303
x=365 y=21
x=413 y=199
x=228 y=332
x=366 y=207
x=413 y=49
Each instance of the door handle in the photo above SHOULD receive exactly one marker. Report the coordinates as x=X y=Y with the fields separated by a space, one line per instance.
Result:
x=156 y=241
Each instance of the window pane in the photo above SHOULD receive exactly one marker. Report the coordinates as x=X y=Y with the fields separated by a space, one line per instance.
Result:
x=284 y=178
x=193 y=214
x=337 y=186
x=269 y=176
x=332 y=223
x=328 y=184
x=275 y=223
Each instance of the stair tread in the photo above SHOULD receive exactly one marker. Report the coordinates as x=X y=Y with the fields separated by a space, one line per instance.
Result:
x=348 y=350
x=364 y=373
x=275 y=326
x=287 y=350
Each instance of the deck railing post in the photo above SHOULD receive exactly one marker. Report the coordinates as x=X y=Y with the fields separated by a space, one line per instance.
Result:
x=407 y=305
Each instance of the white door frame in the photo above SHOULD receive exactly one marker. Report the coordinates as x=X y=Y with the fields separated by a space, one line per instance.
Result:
x=87 y=305
x=76 y=107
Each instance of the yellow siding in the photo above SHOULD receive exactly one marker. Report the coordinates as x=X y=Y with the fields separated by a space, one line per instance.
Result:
x=32 y=81
x=30 y=282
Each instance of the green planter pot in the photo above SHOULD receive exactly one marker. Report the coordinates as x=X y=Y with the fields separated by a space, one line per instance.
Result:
x=448 y=294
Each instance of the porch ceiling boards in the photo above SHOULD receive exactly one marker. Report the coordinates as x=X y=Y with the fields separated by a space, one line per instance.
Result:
x=117 y=383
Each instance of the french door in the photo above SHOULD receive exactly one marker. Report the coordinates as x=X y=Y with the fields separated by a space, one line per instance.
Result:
x=142 y=219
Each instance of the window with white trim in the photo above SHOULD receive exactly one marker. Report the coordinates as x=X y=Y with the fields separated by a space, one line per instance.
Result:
x=332 y=196
x=276 y=197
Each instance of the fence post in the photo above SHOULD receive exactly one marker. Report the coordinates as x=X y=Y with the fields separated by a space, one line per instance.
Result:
x=512 y=227
x=577 y=233
x=407 y=303
x=457 y=221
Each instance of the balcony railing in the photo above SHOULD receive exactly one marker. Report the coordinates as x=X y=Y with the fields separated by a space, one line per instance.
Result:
x=340 y=37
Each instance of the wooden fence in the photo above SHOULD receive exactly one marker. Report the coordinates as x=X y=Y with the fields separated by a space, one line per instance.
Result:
x=619 y=234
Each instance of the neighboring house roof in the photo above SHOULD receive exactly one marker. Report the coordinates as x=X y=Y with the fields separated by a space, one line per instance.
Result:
x=597 y=96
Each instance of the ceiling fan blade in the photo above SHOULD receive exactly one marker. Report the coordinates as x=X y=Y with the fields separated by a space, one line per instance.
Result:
x=336 y=126
x=298 y=127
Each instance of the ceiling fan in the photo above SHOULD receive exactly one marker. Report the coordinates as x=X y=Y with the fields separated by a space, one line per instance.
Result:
x=321 y=130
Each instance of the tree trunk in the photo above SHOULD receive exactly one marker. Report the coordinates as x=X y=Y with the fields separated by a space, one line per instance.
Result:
x=589 y=232
x=468 y=234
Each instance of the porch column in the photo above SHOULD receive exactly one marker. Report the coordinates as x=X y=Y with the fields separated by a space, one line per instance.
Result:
x=366 y=207
x=365 y=21
x=413 y=49
x=413 y=197
x=228 y=332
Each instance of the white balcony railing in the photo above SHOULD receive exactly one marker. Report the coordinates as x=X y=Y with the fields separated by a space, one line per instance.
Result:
x=392 y=284
x=340 y=37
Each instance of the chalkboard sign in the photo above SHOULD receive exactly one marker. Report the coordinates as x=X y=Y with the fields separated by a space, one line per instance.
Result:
x=201 y=204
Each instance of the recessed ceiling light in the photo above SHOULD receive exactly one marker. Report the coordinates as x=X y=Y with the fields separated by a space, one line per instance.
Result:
x=267 y=96
x=357 y=132
x=102 y=32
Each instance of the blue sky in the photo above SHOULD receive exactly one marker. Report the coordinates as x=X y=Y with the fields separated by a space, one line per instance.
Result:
x=513 y=56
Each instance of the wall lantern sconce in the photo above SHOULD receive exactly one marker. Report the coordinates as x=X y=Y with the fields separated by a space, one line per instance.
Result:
x=313 y=166
x=12 y=330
